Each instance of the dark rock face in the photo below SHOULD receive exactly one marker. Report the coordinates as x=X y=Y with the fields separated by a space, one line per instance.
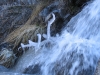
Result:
x=12 y=17
x=63 y=10
x=78 y=3
x=22 y=2
x=59 y=12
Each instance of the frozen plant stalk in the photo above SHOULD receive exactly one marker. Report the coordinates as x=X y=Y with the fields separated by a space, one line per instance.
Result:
x=39 y=40
x=49 y=24
x=36 y=45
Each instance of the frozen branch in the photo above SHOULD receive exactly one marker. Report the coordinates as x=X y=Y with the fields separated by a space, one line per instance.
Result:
x=49 y=24
x=39 y=40
x=33 y=44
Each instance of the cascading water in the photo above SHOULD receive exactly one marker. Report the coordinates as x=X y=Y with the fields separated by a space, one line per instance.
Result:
x=75 y=52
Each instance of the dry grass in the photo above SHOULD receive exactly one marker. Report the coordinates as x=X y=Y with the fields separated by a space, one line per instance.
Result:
x=36 y=10
x=27 y=31
x=24 y=33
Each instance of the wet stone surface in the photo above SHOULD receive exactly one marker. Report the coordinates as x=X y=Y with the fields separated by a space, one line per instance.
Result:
x=7 y=57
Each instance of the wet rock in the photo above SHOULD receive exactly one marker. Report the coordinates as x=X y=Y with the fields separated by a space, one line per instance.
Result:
x=32 y=70
x=89 y=71
x=3 y=2
x=3 y=69
x=62 y=16
x=97 y=71
x=79 y=2
x=6 y=45
x=24 y=2
x=7 y=57
x=28 y=31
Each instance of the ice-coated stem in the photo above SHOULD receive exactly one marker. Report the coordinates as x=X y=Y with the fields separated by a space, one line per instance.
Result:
x=33 y=44
x=39 y=40
x=22 y=45
x=45 y=36
x=49 y=24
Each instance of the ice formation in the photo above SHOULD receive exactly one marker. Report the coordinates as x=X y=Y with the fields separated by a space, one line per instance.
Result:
x=37 y=45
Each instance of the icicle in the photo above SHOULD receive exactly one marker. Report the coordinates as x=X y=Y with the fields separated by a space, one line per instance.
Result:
x=33 y=44
x=49 y=24
x=45 y=36
x=39 y=40
x=23 y=46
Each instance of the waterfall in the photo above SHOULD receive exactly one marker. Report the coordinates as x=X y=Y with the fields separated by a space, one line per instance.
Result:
x=75 y=52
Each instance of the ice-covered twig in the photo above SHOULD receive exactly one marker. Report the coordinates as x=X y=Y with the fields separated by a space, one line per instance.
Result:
x=28 y=45
x=36 y=45
x=45 y=36
x=23 y=46
x=32 y=43
x=39 y=40
x=49 y=24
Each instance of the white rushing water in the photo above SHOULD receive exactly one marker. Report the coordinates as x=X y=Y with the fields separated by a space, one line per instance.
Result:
x=74 y=52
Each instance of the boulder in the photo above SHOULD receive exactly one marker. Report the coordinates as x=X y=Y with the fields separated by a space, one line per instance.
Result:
x=7 y=57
